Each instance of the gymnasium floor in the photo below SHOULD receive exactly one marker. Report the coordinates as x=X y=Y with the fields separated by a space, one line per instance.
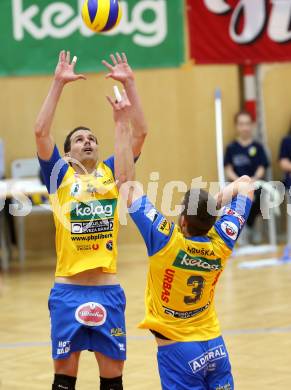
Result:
x=254 y=307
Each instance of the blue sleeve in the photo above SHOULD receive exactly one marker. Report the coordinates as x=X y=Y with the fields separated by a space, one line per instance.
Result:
x=53 y=171
x=285 y=149
x=263 y=159
x=233 y=219
x=110 y=162
x=228 y=156
x=153 y=226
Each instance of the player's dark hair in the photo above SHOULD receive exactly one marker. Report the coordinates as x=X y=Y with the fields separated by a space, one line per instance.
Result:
x=241 y=113
x=67 y=143
x=197 y=212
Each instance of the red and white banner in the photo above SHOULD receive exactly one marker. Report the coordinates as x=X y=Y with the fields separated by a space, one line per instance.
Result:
x=239 y=31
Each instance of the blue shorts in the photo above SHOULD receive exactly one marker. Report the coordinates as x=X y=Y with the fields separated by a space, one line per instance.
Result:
x=195 y=366
x=87 y=318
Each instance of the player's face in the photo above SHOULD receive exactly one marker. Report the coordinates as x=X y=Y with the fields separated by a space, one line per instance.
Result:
x=244 y=126
x=84 y=147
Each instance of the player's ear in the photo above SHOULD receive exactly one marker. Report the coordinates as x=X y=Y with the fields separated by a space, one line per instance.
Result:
x=183 y=223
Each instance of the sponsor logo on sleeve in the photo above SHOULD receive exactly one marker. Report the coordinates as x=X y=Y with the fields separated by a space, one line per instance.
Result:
x=206 y=358
x=152 y=215
x=91 y=314
x=229 y=211
x=230 y=229
x=164 y=227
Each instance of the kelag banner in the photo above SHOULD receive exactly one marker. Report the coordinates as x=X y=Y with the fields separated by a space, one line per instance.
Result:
x=240 y=31
x=32 y=32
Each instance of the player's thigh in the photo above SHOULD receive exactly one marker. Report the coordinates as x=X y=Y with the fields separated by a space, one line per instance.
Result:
x=174 y=369
x=108 y=367
x=68 y=366
x=108 y=340
x=219 y=375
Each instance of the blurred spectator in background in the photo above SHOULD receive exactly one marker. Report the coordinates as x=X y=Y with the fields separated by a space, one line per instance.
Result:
x=8 y=217
x=285 y=159
x=245 y=156
x=285 y=165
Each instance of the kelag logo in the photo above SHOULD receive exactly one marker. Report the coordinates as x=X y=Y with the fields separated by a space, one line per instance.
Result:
x=33 y=32
x=102 y=209
x=60 y=19
x=183 y=260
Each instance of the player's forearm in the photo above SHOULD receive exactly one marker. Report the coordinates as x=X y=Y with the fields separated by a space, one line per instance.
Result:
x=46 y=115
x=124 y=159
x=138 y=121
x=242 y=186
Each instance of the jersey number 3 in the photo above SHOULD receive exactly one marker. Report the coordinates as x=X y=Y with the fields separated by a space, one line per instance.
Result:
x=197 y=282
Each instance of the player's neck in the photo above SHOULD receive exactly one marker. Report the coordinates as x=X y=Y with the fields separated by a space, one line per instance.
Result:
x=86 y=167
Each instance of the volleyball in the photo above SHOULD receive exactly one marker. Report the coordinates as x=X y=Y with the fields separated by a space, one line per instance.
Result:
x=101 y=15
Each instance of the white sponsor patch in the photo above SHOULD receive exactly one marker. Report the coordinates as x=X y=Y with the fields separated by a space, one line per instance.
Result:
x=121 y=347
x=63 y=347
x=91 y=314
x=230 y=229
x=77 y=228
x=207 y=358
x=151 y=215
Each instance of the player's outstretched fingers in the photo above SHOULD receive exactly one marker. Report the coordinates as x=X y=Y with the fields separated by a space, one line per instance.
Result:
x=62 y=56
x=108 y=66
x=111 y=101
x=124 y=58
x=124 y=96
x=118 y=58
x=113 y=59
x=68 y=57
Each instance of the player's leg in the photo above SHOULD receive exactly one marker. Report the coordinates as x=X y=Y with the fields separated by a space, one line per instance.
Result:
x=176 y=372
x=219 y=368
x=66 y=371
x=108 y=340
x=110 y=372
x=68 y=336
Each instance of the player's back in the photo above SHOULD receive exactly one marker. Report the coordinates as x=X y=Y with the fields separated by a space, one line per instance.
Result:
x=183 y=273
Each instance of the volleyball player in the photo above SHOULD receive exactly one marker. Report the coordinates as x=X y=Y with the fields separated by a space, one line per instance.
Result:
x=86 y=303
x=185 y=263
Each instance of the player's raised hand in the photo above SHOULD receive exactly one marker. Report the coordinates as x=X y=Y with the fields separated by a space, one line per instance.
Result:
x=119 y=69
x=121 y=108
x=65 y=70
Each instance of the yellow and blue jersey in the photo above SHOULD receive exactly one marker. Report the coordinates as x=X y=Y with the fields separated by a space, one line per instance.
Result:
x=85 y=215
x=183 y=272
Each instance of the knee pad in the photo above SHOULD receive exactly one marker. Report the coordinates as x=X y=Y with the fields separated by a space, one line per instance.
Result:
x=64 y=382
x=111 y=383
